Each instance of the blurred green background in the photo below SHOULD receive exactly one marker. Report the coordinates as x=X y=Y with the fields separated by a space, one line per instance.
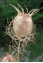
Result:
x=7 y=11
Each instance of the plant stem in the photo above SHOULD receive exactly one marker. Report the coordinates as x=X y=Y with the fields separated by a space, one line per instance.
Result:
x=18 y=50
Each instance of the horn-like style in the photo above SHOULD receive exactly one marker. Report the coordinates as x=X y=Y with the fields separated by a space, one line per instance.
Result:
x=34 y=11
x=19 y=6
x=15 y=8
x=26 y=8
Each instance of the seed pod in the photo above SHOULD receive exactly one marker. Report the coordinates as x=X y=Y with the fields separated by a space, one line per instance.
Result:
x=9 y=58
x=23 y=23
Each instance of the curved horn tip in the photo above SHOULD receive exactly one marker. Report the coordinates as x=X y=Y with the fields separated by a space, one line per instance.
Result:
x=15 y=8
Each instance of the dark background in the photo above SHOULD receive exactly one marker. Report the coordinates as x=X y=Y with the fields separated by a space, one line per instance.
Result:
x=7 y=11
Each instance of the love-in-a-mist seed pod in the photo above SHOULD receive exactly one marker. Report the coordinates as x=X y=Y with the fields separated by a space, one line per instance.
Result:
x=23 y=23
x=9 y=58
